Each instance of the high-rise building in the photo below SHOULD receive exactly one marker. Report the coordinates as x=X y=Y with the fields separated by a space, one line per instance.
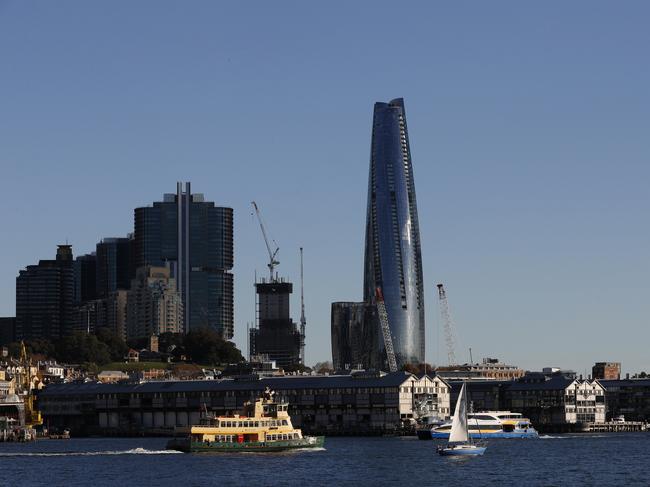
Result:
x=85 y=278
x=277 y=335
x=354 y=326
x=44 y=298
x=153 y=305
x=194 y=238
x=392 y=259
x=7 y=330
x=114 y=270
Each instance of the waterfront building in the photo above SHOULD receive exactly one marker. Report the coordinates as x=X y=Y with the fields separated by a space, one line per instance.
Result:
x=361 y=403
x=153 y=304
x=114 y=266
x=44 y=298
x=195 y=239
x=628 y=397
x=606 y=370
x=277 y=335
x=354 y=326
x=85 y=278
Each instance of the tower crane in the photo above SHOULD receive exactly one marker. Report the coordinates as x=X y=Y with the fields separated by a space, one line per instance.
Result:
x=303 y=320
x=385 y=330
x=272 y=253
x=448 y=325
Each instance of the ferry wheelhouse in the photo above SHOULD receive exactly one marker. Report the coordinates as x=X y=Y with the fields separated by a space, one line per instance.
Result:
x=264 y=426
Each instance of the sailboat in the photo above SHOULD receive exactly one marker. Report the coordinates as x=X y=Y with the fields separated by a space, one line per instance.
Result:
x=460 y=442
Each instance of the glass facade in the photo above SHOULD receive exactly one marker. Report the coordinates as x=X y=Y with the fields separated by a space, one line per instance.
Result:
x=44 y=298
x=354 y=327
x=195 y=239
x=393 y=259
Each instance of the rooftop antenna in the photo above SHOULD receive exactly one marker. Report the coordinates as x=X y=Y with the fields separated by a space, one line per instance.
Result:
x=272 y=253
x=303 y=320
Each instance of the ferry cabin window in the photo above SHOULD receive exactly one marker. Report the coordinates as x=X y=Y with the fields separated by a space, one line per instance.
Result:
x=284 y=422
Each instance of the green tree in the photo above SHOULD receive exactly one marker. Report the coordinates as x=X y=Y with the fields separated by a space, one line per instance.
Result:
x=205 y=346
x=82 y=347
x=117 y=348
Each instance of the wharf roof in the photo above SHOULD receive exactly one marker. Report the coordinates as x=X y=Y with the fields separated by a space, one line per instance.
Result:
x=394 y=379
x=624 y=383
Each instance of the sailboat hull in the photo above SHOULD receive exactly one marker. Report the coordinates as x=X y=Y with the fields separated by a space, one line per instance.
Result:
x=462 y=450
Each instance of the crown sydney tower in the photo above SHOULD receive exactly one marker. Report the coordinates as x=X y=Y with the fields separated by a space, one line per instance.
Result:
x=393 y=260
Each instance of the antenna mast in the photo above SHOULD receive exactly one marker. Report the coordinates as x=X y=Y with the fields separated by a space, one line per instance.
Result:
x=303 y=320
x=272 y=253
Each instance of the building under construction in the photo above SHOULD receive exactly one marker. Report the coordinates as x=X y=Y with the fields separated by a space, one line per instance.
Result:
x=276 y=334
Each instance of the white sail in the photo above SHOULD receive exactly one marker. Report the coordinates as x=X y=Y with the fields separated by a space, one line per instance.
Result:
x=459 y=423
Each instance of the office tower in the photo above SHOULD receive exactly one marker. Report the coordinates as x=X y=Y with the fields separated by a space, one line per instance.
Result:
x=276 y=336
x=44 y=298
x=153 y=305
x=393 y=260
x=113 y=256
x=194 y=238
x=85 y=278
x=7 y=330
x=354 y=327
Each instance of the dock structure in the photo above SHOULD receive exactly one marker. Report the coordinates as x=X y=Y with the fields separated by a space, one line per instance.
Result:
x=616 y=427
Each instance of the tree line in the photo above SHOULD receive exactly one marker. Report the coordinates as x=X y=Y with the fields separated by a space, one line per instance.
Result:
x=203 y=346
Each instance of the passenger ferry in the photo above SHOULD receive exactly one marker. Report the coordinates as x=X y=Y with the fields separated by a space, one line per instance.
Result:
x=263 y=426
x=492 y=424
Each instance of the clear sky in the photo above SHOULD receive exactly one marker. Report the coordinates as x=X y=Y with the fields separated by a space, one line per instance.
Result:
x=529 y=129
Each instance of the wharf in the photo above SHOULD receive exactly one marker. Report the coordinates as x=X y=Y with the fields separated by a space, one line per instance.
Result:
x=616 y=427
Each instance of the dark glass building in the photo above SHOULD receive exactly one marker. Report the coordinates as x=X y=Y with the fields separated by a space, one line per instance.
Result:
x=354 y=326
x=85 y=278
x=195 y=239
x=276 y=335
x=44 y=298
x=114 y=270
x=392 y=253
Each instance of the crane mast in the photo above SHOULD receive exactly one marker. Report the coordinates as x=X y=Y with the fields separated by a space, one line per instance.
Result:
x=272 y=253
x=448 y=325
x=303 y=320
x=385 y=330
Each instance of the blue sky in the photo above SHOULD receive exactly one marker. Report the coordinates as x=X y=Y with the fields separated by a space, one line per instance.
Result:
x=528 y=127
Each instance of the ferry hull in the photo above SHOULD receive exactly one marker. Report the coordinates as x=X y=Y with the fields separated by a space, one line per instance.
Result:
x=186 y=446
x=485 y=435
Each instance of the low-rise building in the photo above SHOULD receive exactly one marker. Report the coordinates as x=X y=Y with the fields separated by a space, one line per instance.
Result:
x=606 y=370
x=112 y=376
x=628 y=397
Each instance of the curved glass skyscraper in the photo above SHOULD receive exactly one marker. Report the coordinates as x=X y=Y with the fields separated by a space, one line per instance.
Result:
x=393 y=259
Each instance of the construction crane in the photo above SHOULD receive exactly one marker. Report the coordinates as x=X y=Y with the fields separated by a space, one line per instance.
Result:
x=448 y=325
x=385 y=330
x=272 y=253
x=303 y=320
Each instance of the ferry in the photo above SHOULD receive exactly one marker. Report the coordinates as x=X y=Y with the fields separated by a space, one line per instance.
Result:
x=262 y=426
x=492 y=424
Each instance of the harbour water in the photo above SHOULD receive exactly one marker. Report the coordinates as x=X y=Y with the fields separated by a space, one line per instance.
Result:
x=558 y=460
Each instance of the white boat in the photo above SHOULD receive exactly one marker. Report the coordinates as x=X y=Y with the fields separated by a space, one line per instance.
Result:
x=460 y=442
x=491 y=424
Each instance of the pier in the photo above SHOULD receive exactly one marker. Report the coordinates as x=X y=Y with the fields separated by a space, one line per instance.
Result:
x=616 y=427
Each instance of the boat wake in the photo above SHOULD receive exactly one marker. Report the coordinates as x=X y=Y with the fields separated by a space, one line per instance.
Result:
x=549 y=437
x=134 y=451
